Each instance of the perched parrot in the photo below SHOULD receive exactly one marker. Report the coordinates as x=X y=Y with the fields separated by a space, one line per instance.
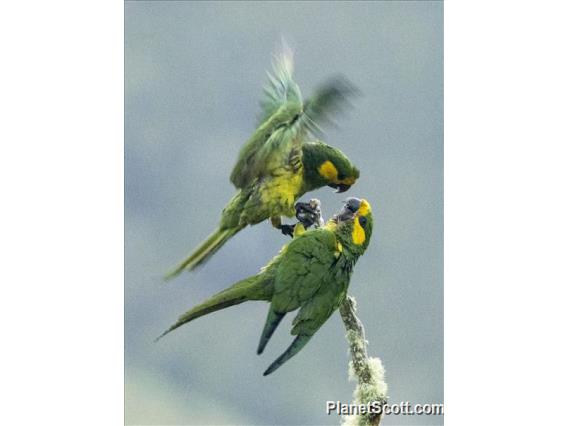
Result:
x=311 y=273
x=279 y=163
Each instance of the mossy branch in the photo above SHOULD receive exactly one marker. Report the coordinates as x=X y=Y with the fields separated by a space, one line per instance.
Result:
x=369 y=372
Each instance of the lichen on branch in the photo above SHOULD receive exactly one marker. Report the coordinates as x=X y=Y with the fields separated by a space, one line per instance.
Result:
x=369 y=372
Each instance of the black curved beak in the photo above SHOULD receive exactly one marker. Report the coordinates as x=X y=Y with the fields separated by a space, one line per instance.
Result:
x=340 y=187
x=350 y=208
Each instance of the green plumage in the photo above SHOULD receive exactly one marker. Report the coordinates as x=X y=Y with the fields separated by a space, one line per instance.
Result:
x=310 y=274
x=279 y=163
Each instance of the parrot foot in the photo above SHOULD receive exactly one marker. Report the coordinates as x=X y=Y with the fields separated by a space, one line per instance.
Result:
x=287 y=230
x=309 y=213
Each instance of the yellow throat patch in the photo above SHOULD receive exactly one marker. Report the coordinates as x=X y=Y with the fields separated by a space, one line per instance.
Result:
x=358 y=233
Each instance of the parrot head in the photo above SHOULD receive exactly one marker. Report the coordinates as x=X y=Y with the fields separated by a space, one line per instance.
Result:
x=325 y=165
x=354 y=225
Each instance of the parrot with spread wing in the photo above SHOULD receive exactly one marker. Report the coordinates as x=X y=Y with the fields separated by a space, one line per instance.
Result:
x=279 y=163
x=311 y=273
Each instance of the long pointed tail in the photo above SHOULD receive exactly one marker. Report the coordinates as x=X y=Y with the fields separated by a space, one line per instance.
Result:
x=272 y=321
x=257 y=287
x=298 y=343
x=205 y=250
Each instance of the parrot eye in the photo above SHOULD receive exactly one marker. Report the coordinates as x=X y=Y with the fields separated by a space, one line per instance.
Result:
x=362 y=220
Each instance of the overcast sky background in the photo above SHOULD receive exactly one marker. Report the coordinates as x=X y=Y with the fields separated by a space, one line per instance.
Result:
x=194 y=73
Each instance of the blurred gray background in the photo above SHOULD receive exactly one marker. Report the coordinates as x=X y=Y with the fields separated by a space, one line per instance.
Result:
x=194 y=73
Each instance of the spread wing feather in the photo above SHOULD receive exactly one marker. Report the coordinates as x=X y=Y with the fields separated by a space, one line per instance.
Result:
x=281 y=87
x=285 y=121
x=328 y=99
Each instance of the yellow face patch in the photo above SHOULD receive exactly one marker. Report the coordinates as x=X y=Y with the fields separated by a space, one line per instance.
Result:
x=358 y=234
x=365 y=208
x=330 y=173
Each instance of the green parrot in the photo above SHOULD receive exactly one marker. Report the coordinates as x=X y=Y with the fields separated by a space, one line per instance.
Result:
x=311 y=273
x=279 y=164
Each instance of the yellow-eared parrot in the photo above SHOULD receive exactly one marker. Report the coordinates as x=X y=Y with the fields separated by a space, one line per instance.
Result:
x=311 y=273
x=280 y=163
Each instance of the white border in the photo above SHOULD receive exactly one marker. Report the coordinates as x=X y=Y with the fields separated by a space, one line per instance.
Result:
x=505 y=212
x=61 y=171
x=62 y=234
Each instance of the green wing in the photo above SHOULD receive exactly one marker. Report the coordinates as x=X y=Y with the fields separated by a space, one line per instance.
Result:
x=303 y=269
x=285 y=121
x=303 y=278
x=319 y=308
x=281 y=88
x=319 y=300
x=328 y=99
x=274 y=143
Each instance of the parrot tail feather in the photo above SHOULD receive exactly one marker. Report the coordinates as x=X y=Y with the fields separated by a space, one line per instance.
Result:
x=272 y=321
x=252 y=288
x=298 y=343
x=200 y=255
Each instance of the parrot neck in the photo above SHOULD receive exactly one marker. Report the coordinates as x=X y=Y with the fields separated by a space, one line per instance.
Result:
x=351 y=250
